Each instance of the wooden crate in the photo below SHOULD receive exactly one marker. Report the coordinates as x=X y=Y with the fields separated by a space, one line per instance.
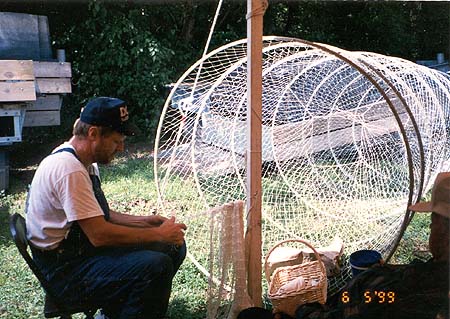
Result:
x=45 y=111
x=17 y=81
x=39 y=84
x=52 y=77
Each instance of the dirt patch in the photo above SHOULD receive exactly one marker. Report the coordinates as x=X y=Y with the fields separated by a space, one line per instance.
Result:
x=137 y=150
x=24 y=159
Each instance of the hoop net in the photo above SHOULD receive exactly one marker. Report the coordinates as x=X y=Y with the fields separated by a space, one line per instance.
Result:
x=349 y=140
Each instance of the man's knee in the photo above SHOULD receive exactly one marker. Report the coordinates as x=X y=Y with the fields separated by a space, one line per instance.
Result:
x=151 y=264
x=159 y=263
x=182 y=251
x=178 y=256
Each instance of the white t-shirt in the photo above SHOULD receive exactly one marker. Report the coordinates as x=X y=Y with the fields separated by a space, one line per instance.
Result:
x=61 y=192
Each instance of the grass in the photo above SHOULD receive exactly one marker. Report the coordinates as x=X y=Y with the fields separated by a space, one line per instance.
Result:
x=129 y=186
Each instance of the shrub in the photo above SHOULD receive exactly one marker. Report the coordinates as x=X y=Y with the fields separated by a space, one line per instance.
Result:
x=114 y=54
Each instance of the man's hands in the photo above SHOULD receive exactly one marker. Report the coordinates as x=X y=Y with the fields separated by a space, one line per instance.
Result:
x=147 y=229
x=154 y=220
x=171 y=232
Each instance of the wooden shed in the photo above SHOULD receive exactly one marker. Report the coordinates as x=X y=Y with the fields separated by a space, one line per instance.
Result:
x=31 y=81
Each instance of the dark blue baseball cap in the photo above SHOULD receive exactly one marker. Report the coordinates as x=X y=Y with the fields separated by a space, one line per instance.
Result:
x=109 y=112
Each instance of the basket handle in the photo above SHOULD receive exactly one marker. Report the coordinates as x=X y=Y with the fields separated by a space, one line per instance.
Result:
x=306 y=243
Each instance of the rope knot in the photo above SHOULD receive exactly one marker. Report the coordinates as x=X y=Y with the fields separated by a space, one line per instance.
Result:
x=259 y=11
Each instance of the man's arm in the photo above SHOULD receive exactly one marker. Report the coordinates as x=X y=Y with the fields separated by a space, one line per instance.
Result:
x=103 y=233
x=82 y=206
x=135 y=221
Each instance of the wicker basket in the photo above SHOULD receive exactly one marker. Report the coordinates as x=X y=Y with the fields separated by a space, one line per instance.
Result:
x=313 y=290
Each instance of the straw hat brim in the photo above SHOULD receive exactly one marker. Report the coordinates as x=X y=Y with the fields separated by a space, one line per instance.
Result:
x=421 y=207
x=440 y=208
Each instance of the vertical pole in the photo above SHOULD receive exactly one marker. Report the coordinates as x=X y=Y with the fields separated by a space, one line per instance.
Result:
x=255 y=12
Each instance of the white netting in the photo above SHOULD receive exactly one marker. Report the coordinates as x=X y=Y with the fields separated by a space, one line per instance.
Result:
x=349 y=139
x=227 y=262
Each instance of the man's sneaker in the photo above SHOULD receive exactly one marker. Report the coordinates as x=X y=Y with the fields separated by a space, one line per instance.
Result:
x=100 y=315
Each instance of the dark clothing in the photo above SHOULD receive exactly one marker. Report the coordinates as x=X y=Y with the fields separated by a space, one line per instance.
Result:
x=415 y=291
x=125 y=282
x=131 y=282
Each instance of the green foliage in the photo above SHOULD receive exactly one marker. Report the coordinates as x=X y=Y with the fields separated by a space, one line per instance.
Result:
x=115 y=54
x=430 y=28
x=129 y=186
x=414 y=243
x=409 y=30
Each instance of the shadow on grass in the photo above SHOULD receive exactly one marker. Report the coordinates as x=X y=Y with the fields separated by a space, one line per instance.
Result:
x=5 y=235
x=24 y=158
x=180 y=309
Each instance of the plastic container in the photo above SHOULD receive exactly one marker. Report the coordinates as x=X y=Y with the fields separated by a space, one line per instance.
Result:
x=362 y=259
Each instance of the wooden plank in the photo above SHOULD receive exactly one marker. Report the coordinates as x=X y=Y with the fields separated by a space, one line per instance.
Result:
x=52 y=69
x=53 y=85
x=16 y=70
x=17 y=91
x=13 y=105
x=42 y=118
x=254 y=157
x=45 y=103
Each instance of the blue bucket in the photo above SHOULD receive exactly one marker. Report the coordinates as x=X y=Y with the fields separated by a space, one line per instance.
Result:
x=362 y=259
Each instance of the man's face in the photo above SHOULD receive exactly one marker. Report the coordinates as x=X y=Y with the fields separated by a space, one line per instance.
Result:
x=106 y=147
x=439 y=237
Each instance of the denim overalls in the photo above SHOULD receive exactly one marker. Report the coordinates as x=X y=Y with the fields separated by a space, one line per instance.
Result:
x=127 y=282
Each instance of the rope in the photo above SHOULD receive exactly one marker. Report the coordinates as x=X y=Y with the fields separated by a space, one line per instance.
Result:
x=259 y=11
x=213 y=26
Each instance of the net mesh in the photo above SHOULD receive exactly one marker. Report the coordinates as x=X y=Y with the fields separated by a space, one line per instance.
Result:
x=349 y=140
x=228 y=263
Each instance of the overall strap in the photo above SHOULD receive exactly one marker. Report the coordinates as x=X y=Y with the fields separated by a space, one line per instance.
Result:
x=96 y=184
x=99 y=195
x=67 y=149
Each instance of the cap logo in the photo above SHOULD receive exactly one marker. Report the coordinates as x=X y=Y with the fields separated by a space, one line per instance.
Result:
x=123 y=113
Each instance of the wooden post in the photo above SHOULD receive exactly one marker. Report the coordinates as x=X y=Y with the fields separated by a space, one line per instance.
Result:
x=255 y=12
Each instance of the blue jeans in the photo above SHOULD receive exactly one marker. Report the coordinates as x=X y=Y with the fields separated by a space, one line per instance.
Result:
x=124 y=282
